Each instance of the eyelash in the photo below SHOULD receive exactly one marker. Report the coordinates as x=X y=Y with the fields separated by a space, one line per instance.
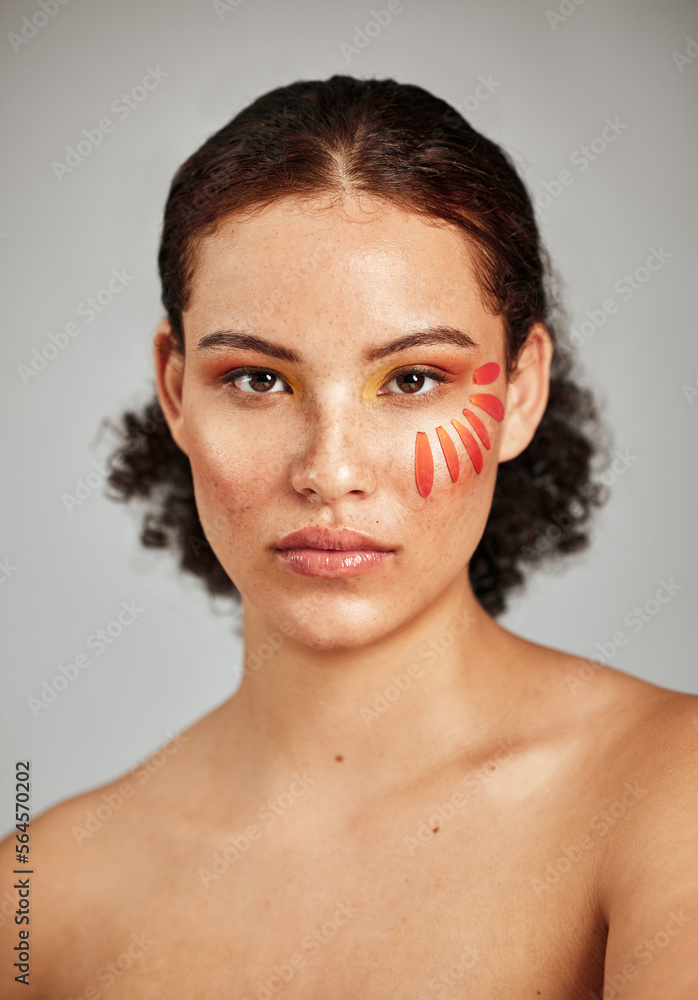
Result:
x=437 y=376
x=418 y=370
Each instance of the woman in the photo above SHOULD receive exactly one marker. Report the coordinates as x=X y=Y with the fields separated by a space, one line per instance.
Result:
x=365 y=427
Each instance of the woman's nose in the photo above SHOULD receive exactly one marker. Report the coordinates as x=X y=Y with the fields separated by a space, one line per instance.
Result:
x=336 y=459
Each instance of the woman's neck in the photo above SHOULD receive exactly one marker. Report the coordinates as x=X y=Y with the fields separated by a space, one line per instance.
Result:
x=408 y=702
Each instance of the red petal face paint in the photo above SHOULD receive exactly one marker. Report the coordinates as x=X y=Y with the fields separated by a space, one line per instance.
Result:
x=450 y=453
x=423 y=458
x=478 y=426
x=488 y=373
x=470 y=445
x=490 y=404
x=423 y=464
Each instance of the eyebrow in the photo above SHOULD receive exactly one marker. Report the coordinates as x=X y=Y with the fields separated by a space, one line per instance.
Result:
x=432 y=335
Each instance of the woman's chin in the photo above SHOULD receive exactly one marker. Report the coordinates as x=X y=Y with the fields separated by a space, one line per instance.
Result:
x=333 y=622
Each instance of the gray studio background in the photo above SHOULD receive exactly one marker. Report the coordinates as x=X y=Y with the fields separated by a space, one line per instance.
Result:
x=541 y=80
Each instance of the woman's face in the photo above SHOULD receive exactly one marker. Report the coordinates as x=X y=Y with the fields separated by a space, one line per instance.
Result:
x=315 y=422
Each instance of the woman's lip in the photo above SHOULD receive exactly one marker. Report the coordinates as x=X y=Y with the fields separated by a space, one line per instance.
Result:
x=340 y=539
x=333 y=562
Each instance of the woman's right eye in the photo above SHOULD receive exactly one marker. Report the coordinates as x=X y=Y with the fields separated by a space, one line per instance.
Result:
x=257 y=381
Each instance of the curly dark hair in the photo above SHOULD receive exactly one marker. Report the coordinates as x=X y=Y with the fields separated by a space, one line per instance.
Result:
x=399 y=142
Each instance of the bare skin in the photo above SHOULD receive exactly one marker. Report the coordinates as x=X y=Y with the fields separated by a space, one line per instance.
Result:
x=508 y=821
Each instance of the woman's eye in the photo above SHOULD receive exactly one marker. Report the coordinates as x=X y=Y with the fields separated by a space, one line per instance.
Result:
x=412 y=384
x=258 y=382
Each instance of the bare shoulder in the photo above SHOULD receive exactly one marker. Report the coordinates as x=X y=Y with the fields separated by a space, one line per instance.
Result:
x=653 y=738
x=619 y=731
x=649 y=882
x=635 y=718
x=53 y=882
x=87 y=853
x=650 y=727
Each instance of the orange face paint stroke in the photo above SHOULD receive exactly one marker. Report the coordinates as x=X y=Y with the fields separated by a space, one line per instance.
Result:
x=471 y=445
x=479 y=427
x=490 y=404
x=450 y=453
x=423 y=464
x=486 y=374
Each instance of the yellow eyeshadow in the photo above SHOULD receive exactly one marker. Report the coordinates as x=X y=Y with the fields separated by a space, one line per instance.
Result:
x=374 y=384
x=293 y=382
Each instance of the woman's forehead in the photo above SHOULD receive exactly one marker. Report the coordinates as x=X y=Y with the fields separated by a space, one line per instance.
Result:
x=294 y=257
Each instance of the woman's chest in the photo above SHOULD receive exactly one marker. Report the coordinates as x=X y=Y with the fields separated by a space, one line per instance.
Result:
x=444 y=902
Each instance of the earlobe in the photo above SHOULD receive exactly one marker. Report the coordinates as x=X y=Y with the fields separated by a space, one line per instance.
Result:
x=169 y=379
x=527 y=393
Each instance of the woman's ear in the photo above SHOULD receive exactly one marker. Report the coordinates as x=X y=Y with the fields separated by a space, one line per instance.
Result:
x=527 y=393
x=169 y=378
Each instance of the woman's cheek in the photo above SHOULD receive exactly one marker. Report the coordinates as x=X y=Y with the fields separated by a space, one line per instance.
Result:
x=234 y=476
x=465 y=440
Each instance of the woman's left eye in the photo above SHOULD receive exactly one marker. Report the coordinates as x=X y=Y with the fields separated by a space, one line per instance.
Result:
x=413 y=383
x=257 y=381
